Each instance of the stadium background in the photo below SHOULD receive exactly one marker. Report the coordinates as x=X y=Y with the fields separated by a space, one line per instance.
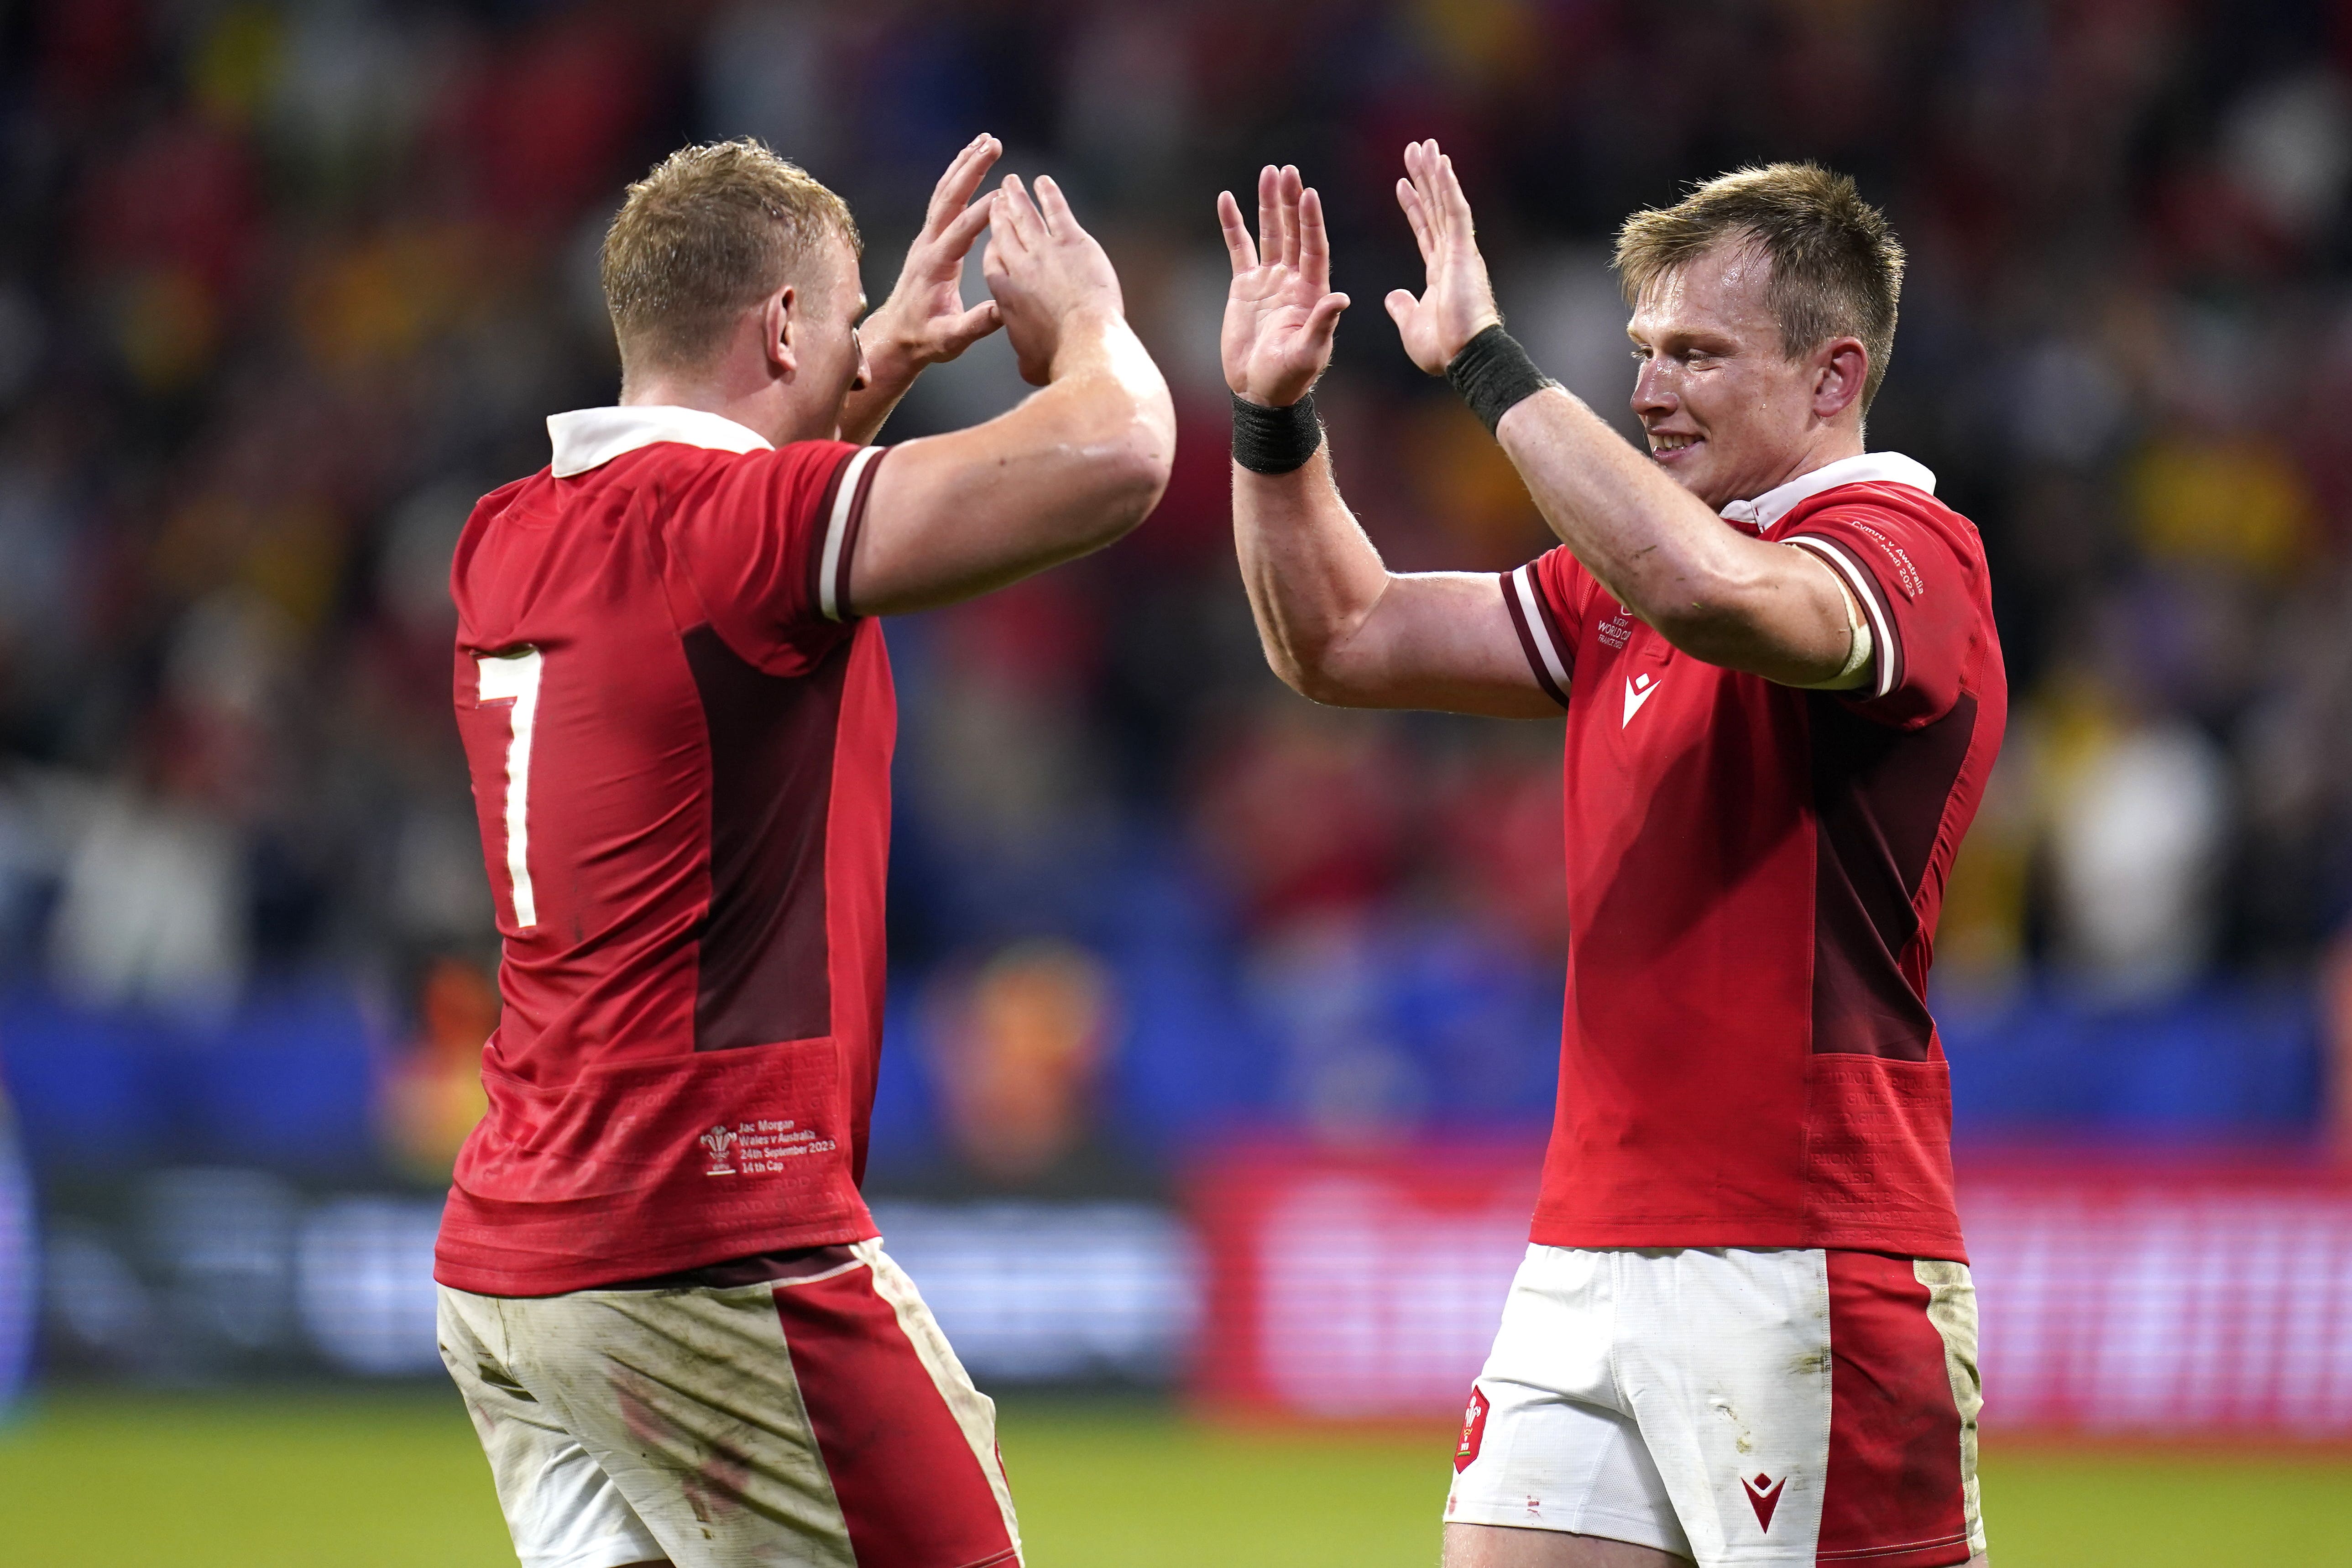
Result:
x=1222 y=1027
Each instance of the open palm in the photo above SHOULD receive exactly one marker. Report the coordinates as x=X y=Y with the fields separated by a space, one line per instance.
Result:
x=1280 y=314
x=1459 y=302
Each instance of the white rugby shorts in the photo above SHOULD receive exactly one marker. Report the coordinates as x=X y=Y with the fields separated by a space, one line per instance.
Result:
x=818 y=1420
x=1751 y=1407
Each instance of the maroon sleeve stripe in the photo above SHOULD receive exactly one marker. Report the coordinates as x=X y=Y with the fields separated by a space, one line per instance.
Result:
x=844 y=499
x=1541 y=658
x=851 y=529
x=1886 y=638
x=824 y=511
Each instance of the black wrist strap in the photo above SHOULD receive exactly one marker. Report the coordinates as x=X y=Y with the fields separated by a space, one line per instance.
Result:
x=1275 y=440
x=1495 y=375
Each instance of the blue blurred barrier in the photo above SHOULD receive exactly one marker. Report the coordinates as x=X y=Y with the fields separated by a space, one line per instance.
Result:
x=2232 y=1060
x=19 y=1258
x=287 y=1083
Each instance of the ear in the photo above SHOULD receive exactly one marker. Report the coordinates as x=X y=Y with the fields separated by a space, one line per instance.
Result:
x=1840 y=370
x=780 y=322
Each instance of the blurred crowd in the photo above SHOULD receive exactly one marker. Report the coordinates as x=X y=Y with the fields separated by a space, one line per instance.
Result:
x=284 y=287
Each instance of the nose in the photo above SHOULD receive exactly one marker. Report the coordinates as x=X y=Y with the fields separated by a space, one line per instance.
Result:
x=1653 y=393
x=865 y=372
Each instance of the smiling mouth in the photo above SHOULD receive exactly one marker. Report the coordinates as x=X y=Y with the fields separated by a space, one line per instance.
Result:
x=1667 y=449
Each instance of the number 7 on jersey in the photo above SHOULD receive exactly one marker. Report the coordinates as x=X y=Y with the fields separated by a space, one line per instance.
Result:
x=514 y=677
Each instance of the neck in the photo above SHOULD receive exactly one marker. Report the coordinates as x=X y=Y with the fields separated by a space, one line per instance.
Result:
x=1829 y=444
x=753 y=413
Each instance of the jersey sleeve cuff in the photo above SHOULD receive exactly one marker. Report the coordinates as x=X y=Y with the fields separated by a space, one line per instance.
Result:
x=845 y=514
x=1539 y=636
x=1887 y=639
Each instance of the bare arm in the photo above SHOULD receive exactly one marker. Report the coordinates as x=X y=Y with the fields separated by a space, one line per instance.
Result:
x=1714 y=592
x=1071 y=470
x=1336 y=624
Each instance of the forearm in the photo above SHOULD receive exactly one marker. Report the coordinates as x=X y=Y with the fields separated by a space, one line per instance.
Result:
x=1339 y=627
x=1102 y=430
x=869 y=407
x=1646 y=539
x=1074 y=467
x=1312 y=574
x=1714 y=593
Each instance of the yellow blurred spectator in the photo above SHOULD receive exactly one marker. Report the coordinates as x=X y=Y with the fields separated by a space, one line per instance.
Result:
x=1467 y=487
x=2232 y=499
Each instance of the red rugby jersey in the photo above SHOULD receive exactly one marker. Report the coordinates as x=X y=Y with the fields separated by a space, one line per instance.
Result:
x=680 y=743
x=1754 y=873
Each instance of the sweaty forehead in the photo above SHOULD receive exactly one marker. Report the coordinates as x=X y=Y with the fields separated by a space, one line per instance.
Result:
x=1722 y=289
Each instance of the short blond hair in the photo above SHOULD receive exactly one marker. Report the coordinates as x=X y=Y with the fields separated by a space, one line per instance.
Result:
x=711 y=231
x=1837 y=268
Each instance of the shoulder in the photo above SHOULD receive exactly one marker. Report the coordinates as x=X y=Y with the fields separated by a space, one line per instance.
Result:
x=795 y=476
x=1885 y=504
x=1562 y=578
x=1904 y=530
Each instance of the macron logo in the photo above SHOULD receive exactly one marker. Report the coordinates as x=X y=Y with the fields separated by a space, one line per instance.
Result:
x=1763 y=1498
x=1638 y=689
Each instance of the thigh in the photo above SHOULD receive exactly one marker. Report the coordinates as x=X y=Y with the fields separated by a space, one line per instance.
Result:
x=796 y=1421
x=1545 y=1449
x=1490 y=1546
x=560 y=1508
x=1801 y=1406
x=1901 y=1484
x=1725 y=1356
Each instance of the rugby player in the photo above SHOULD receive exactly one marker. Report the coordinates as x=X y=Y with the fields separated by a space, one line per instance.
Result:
x=1744 y=1330
x=660 y=1291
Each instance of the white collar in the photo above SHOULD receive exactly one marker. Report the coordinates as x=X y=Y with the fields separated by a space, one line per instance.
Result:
x=587 y=438
x=1870 y=468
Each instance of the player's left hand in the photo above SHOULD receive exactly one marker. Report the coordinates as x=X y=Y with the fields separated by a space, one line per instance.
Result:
x=1459 y=303
x=924 y=323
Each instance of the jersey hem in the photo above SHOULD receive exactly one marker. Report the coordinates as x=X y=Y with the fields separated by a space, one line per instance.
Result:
x=1935 y=1243
x=461 y=1269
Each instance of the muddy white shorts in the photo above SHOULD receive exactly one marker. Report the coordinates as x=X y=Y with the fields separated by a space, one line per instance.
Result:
x=815 y=1419
x=1783 y=1407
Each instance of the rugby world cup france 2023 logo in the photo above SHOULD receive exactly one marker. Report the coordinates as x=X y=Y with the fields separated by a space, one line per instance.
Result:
x=719 y=1141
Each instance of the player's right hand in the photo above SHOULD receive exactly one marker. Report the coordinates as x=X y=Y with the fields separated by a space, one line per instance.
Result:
x=1280 y=313
x=1048 y=275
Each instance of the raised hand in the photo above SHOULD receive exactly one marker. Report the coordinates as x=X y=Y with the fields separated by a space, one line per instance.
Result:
x=924 y=323
x=1280 y=313
x=1459 y=302
x=1046 y=273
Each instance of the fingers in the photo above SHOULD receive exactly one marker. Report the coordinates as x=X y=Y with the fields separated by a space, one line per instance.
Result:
x=1004 y=243
x=1323 y=322
x=1060 y=221
x=1269 y=215
x=963 y=175
x=1314 y=243
x=1237 y=239
x=1445 y=207
x=1402 y=304
x=955 y=239
x=1287 y=189
x=1018 y=225
x=1418 y=217
x=976 y=323
x=1455 y=202
x=1421 y=161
